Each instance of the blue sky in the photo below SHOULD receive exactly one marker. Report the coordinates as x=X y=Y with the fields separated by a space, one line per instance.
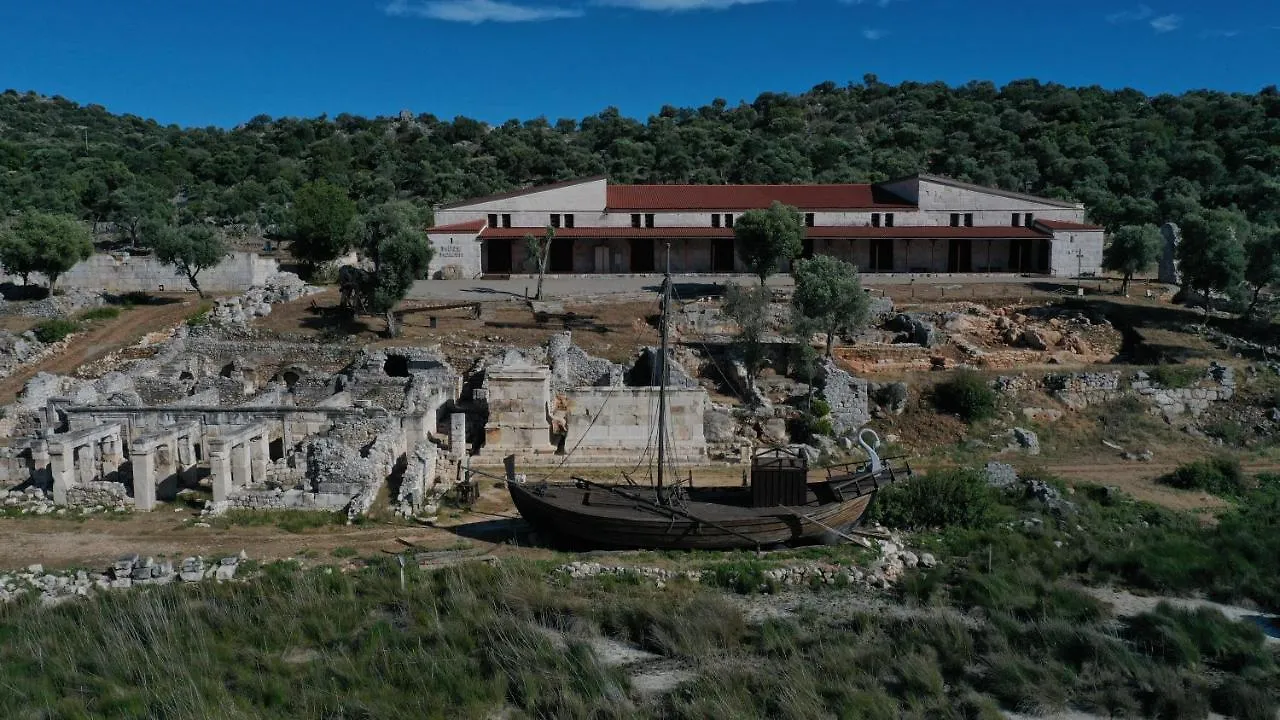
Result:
x=220 y=62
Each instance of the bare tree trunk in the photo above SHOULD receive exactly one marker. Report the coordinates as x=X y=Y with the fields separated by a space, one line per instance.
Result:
x=393 y=328
x=831 y=341
x=192 y=277
x=1257 y=293
x=545 y=256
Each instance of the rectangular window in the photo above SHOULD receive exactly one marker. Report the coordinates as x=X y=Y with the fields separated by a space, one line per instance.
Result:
x=715 y=220
x=555 y=220
x=968 y=219
x=568 y=220
x=1017 y=220
x=808 y=219
x=728 y=220
x=1031 y=219
x=648 y=220
x=888 y=219
x=955 y=219
x=875 y=219
x=493 y=220
x=635 y=220
x=506 y=219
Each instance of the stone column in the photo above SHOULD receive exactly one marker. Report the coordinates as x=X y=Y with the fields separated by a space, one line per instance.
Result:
x=458 y=434
x=260 y=457
x=111 y=456
x=286 y=436
x=240 y=464
x=144 y=478
x=62 y=468
x=185 y=462
x=219 y=468
x=40 y=463
x=85 y=463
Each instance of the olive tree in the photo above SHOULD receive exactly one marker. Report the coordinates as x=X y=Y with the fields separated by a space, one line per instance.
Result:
x=1133 y=249
x=190 y=249
x=538 y=251
x=829 y=298
x=765 y=238
x=41 y=243
x=1211 y=253
x=1262 y=266
x=749 y=308
x=321 y=223
x=393 y=237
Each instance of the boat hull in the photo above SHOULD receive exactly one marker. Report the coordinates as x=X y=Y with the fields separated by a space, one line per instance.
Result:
x=714 y=519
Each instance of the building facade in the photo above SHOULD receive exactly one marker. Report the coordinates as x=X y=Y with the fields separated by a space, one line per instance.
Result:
x=922 y=224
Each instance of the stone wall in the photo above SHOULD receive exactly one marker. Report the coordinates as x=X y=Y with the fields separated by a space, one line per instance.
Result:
x=122 y=273
x=612 y=425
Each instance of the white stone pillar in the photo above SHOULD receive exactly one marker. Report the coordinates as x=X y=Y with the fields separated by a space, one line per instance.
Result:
x=219 y=468
x=260 y=457
x=85 y=463
x=240 y=464
x=62 y=468
x=111 y=456
x=458 y=434
x=144 y=478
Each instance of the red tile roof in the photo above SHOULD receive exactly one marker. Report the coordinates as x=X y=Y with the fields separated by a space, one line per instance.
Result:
x=1065 y=225
x=469 y=226
x=746 y=197
x=909 y=232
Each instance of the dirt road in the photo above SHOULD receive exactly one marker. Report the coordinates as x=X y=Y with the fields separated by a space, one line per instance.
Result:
x=103 y=337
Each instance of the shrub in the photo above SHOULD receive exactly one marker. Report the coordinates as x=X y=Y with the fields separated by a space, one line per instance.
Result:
x=54 y=330
x=100 y=313
x=819 y=408
x=806 y=427
x=943 y=498
x=1175 y=376
x=201 y=316
x=1220 y=475
x=967 y=394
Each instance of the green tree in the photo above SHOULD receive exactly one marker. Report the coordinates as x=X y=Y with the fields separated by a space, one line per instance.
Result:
x=538 y=253
x=765 y=238
x=17 y=254
x=1211 y=253
x=1262 y=266
x=47 y=244
x=829 y=298
x=386 y=220
x=393 y=238
x=134 y=207
x=190 y=249
x=749 y=308
x=1133 y=249
x=320 y=222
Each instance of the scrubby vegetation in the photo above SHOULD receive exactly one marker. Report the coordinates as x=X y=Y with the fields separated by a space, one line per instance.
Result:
x=54 y=330
x=944 y=498
x=967 y=395
x=1220 y=475
x=1175 y=376
x=105 y=312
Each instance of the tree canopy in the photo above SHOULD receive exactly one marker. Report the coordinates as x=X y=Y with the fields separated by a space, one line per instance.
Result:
x=749 y=308
x=38 y=242
x=321 y=222
x=1132 y=158
x=395 y=240
x=190 y=249
x=829 y=298
x=766 y=238
x=1133 y=249
x=1211 y=252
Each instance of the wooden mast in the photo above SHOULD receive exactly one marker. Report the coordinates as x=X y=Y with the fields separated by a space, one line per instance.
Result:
x=662 y=377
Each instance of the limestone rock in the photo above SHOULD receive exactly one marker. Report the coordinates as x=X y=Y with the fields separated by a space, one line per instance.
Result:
x=1027 y=440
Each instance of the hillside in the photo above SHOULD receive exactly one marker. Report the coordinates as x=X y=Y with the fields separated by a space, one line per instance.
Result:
x=1131 y=157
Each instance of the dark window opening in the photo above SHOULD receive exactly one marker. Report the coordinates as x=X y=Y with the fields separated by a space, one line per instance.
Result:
x=888 y=219
x=396 y=366
x=555 y=220
x=493 y=220
x=1017 y=220
x=875 y=219
x=290 y=378
x=728 y=220
x=968 y=219
x=715 y=220
x=955 y=219
x=1031 y=219
x=227 y=370
x=808 y=219
x=506 y=220
x=635 y=220
x=648 y=220
x=568 y=220
x=186 y=375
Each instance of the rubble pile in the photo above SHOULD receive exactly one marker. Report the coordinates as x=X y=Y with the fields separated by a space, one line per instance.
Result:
x=893 y=561
x=127 y=572
x=256 y=302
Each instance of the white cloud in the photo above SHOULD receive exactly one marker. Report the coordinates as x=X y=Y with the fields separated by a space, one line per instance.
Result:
x=1142 y=12
x=878 y=3
x=1220 y=33
x=677 y=5
x=479 y=11
x=1166 y=23
x=874 y=34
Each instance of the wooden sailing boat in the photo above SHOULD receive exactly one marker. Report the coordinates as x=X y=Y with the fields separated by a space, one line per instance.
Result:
x=781 y=504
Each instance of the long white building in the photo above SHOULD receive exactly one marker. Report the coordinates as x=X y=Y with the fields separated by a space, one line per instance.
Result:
x=921 y=224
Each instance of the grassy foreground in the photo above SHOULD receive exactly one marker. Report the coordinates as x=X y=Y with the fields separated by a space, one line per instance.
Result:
x=1003 y=622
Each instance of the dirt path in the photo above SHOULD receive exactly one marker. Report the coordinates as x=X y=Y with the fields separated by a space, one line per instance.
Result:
x=101 y=338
